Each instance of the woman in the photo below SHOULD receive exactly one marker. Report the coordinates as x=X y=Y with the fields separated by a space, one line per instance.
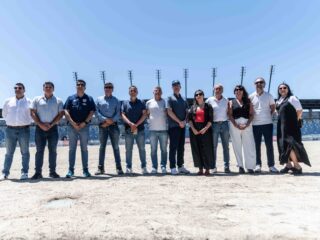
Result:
x=241 y=114
x=199 y=118
x=289 y=140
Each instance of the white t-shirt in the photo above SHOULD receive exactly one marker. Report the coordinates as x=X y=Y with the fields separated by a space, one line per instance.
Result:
x=261 y=106
x=294 y=101
x=220 y=108
x=158 y=115
x=16 y=112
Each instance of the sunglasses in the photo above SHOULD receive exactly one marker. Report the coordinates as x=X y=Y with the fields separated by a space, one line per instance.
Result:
x=108 y=87
x=18 y=88
x=238 y=89
x=80 y=85
x=259 y=83
x=133 y=90
x=283 y=88
x=198 y=94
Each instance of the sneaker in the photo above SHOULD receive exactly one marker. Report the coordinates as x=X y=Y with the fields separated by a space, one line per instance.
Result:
x=54 y=175
x=120 y=172
x=250 y=171
x=163 y=170
x=227 y=170
x=36 y=176
x=129 y=171
x=273 y=169
x=241 y=170
x=24 y=176
x=183 y=170
x=154 y=171
x=3 y=177
x=144 y=171
x=214 y=170
x=86 y=173
x=100 y=171
x=70 y=174
x=174 y=171
x=257 y=169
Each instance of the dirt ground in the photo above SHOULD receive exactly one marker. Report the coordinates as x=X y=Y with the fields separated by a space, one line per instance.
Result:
x=264 y=206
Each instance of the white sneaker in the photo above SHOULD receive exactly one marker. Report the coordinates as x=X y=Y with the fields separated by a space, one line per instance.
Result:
x=3 y=177
x=183 y=170
x=257 y=169
x=154 y=171
x=212 y=171
x=129 y=171
x=24 y=176
x=164 y=170
x=174 y=171
x=273 y=169
x=144 y=170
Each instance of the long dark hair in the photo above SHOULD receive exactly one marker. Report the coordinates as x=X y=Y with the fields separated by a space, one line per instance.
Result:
x=245 y=97
x=195 y=98
x=290 y=93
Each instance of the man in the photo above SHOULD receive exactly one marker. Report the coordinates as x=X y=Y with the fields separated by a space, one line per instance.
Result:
x=108 y=113
x=220 y=126
x=79 y=109
x=133 y=113
x=16 y=113
x=46 y=111
x=177 y=108
x=264 y=107
x=157 y=112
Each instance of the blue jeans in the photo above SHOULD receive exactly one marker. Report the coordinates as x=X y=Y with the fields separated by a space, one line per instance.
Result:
x=14 y=135
x=114 y=133
x=140 y=140
x=83 y=136
x=162 y=137
x=221 y=129
x=176 y=147
x=267 y=132
x=41 y=138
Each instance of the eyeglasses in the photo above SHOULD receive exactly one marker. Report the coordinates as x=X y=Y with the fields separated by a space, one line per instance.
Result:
x=108 y=87
x=198 y=94
x=18 y=88
x=283 y=88
x=80 y=85
x=261 y=82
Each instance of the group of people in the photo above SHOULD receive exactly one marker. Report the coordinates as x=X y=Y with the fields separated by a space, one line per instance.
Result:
x=245 y=119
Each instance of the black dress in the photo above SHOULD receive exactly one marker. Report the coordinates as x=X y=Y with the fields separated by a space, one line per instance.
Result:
x=289 y=134
x=201 y=145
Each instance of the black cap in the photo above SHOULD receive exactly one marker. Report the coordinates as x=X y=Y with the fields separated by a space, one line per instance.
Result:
x=175 y=82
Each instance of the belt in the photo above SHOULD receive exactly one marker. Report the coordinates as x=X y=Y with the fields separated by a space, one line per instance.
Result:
x=19 y=127
x=220 y=122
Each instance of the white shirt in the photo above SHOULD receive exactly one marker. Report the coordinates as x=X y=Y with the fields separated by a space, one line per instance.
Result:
x=261 y=106
x=16 y=112
x=220 y=108
x=294 y=101
x=158 y=115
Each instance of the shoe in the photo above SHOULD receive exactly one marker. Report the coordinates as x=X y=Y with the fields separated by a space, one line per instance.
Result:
x=273 y=169
x=207 y=172
x=144 y=171
x=227 y=170
x=183 y=170
x=86 y=173
x=257 y=169
x=54 y=175
x=214 y=170
x=24 y=176
x=100 y=170
x=3 y=177
x=154 y=171
x=129 y=171
x=163 y=170
x=241 y=170
x=120 y=172
x=285 y=170
x=200 y=172
x=174 y=171
x=36 y=176
x=296 y=171
x=70 y=174
x=250 y=171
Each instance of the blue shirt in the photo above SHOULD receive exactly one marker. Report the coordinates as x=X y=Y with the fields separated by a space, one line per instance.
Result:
x=47 y=108
x=179 y=107
x=108 y=108
x=133 y=111
x=79 y=107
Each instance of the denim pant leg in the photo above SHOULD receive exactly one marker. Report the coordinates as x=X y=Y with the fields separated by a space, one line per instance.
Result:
x=84 y=138
x=180 y=150
x=154 y=148
x=129 y=139
x=53 y=137
x=11 y=143
x=163 y=140
x=225 y=136
x=257 y=133
x=114 y=137
x=215 y=133
x=41 y=141
x=73 y=139
x=173 y=146
x=23 y=139
x=140 y=139
x=268 y=135
x=103 y=137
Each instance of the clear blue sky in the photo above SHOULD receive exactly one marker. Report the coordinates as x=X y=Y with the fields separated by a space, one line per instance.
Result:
x=47 y=40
